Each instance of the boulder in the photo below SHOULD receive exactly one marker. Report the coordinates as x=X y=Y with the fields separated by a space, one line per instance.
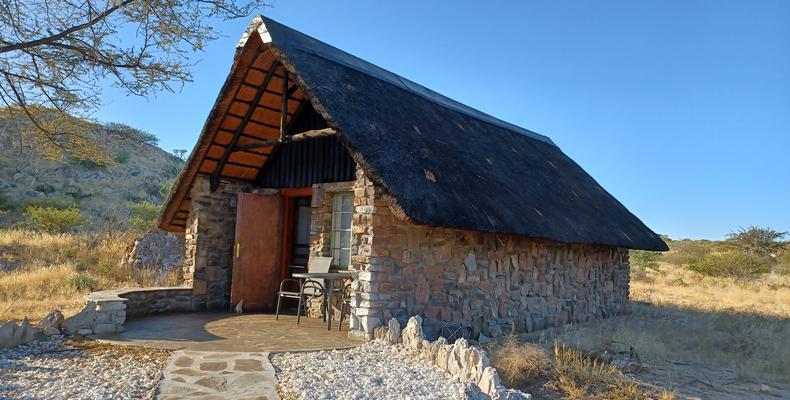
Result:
x=12 y=334
x=52 y=323
x=510 y=394
x=443 y=356
x=475 y=362
x=489 y=382
x=455 y=363
x=85 y=319
x=393 y=332
x=432 y=352
x=412 y=335
x=7 y=334
x=156 y=249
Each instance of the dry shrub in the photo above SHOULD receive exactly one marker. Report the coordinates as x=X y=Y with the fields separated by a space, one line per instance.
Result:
x=520 y=364
x=573 y=373
x=56 y=271
x=579 y=375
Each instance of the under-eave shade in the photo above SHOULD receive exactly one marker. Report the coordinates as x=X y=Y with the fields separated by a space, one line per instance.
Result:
x=445 y=164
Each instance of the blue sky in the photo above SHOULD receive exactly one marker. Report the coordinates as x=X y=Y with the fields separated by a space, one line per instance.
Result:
x=680 y=109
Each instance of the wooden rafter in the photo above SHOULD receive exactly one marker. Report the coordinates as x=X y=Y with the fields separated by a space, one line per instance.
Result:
x=284 y=107
x=215 y=176
x=293 y=138
x=293 y=120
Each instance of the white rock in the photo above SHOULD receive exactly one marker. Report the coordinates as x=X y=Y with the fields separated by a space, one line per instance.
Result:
x=372 y=371
x=393 y=331
x=412 y=335
x=85 y=319
x=489 y=383
x=504 y=393
x=52 y=323
x=475 y=362
x=7 y=334
x=455 y=363
x=443 y=356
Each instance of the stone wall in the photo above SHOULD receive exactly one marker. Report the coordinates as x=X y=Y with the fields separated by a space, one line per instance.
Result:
x=210 y=237
x=156 y=249
x=488 y=284
x=209 y=243
x=106 y=311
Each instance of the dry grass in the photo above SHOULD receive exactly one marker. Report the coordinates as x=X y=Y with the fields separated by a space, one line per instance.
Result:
x=564 y=372
x=678 y=287
x=701 y=336
x=56 y=271
x=718 y=325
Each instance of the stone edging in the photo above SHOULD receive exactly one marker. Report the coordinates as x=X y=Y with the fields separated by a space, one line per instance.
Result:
x=464 y=362
x=106 y=311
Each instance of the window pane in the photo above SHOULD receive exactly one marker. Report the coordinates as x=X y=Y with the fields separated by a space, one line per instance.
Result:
x=345 y=239
x=348 y=203
x=336 y=243
x=344 y=258
x=345 y=220
x=336 y=221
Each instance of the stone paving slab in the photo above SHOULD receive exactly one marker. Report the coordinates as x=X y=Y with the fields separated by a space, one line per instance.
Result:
x=205 y=375
x=208 y=331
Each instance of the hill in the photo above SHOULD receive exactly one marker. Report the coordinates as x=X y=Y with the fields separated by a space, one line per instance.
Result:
x=132 y=170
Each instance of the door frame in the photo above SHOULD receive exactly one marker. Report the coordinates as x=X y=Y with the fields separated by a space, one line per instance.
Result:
x=289 y=202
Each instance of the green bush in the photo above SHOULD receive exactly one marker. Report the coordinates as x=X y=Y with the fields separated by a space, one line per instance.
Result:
x=642 y=261
x=81 y=281
x=48 y=202
x=758 y=241
x=165 y=186
x=124 y=131
x=53 y=220
x=77 y=194
x=6 y=203
x=45 y=188
x=122 y=157
x=144 y=216
x=683 y=252
x=732 y=264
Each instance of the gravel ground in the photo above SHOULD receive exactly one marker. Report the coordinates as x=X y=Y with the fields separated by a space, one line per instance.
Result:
x=58 y=369
x=372 y=371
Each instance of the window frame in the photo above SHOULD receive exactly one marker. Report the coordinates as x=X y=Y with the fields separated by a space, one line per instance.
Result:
x=337 y=230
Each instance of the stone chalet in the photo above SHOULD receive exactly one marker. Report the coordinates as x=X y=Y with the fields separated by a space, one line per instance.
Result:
x=444 y=211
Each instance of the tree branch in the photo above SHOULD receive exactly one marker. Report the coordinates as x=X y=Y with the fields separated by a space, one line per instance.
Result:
x=62 y=34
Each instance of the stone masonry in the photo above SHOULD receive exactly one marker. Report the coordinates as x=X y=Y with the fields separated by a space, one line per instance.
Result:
x=209 y=243
x=487 y=283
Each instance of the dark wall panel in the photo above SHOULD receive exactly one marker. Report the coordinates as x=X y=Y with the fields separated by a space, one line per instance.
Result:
x=304 y=163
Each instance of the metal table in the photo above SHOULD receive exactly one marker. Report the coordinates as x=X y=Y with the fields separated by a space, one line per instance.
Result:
x=329 y=287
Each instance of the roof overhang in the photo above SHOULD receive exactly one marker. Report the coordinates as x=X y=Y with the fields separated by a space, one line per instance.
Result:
x=260 y=97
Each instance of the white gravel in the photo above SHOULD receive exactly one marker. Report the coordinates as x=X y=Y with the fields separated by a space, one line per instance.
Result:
x=372 y=371
x=53 y=369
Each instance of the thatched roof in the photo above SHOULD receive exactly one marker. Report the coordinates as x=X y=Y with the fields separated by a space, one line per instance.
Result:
x=442 y=163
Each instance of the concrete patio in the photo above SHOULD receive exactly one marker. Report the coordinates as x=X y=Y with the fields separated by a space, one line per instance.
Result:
x=224 y=332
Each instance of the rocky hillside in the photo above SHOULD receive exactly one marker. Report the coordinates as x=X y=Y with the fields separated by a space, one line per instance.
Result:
x=134 y=170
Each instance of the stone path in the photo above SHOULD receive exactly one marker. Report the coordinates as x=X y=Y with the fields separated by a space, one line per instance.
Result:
x=218 y=375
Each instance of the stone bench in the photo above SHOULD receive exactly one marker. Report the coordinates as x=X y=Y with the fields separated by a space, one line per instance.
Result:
x=106 y=311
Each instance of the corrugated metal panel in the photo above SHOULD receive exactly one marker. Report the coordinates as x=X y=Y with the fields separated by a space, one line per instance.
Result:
x=304 y=163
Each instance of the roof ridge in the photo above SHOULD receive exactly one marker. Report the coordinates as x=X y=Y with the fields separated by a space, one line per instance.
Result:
x=259 y=24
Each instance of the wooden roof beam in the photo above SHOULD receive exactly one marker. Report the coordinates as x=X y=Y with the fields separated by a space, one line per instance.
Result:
x=215 y=176
x=315 y=133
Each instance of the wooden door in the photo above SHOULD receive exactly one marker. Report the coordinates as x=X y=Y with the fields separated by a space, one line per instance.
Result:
x=257 y=251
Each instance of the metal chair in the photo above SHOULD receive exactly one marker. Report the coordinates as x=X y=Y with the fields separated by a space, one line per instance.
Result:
x=345 y=302
x=310 y=287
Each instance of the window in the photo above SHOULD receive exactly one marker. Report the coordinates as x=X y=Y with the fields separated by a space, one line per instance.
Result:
x=342 y=212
